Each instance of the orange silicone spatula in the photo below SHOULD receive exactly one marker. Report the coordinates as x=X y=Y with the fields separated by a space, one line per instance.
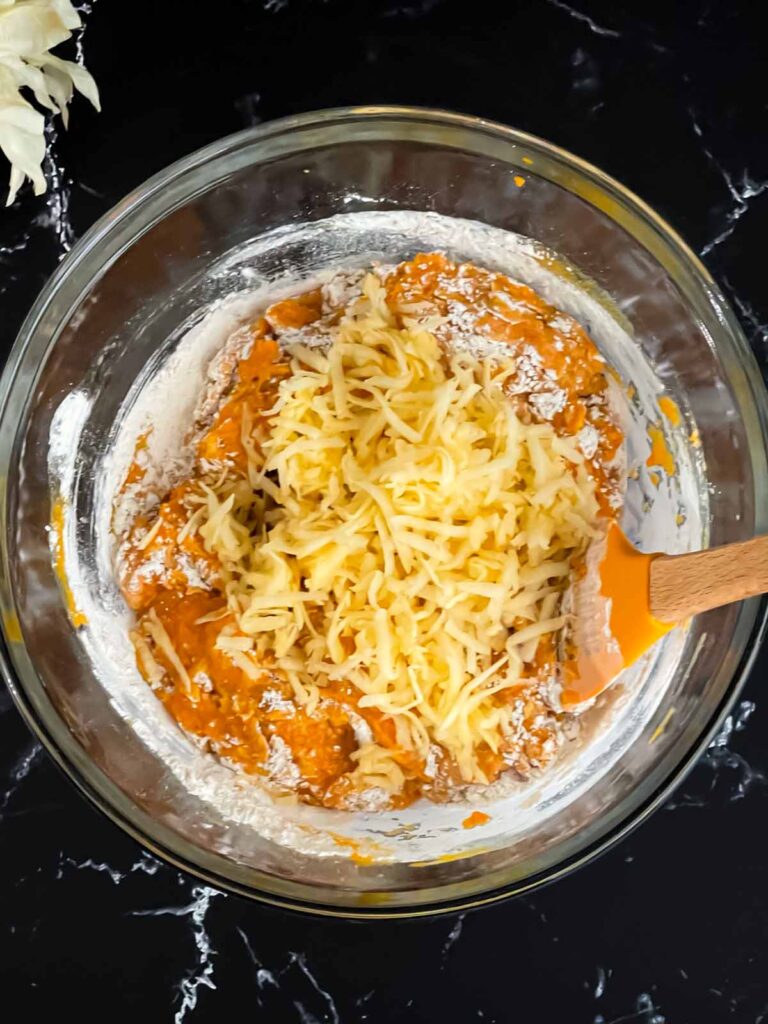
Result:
x=626 y=600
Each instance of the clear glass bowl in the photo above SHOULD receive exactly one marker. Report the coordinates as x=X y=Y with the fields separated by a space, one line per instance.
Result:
x=170 y=248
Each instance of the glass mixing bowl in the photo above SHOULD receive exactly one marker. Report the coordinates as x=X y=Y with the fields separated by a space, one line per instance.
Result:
x=117 y=305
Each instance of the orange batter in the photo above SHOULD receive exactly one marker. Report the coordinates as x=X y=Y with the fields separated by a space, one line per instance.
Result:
x=77 y=618
x=176 y=588
x=660 y=455
x=476 y=818
x=507 y=311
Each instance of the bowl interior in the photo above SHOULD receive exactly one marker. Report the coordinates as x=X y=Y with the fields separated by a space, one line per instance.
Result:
x=151 y=288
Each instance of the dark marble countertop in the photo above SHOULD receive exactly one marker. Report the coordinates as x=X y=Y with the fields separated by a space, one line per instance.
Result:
x=670 y=925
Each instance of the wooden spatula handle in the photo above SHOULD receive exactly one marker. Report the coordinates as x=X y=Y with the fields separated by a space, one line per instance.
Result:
x=684 y=585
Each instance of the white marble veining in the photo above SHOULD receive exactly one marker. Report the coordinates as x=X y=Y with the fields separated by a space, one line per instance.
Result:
x=757 y=330
x=602 y=977
x=741 y=189
x=645 y=1011
x=18 y=773
x=727 y=766
x=146 y=864
x=84 y=9
x=453 y=936
x=58 y=196
x=592 y=25
x=281 y=982
x=306 y=1016
x=264 y=977
x=200 y=975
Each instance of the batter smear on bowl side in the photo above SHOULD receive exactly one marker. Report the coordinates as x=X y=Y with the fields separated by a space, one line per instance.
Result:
x=357 y=594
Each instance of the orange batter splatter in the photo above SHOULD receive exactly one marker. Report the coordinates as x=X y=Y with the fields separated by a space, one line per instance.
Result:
x=660 y=454
x=671 y=410
x=137 y=470
x=77 y=618
x=475 y=818
x=449 y=858
x=364 y=859
x=12 y=628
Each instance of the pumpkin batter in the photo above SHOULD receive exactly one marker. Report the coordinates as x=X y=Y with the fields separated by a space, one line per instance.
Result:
x=188 y=644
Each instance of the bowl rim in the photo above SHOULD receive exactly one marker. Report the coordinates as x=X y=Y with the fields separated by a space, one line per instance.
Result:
x=90 y=779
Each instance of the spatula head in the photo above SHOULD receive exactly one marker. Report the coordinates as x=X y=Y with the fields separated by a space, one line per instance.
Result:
x=611 y=624
x=591 y=656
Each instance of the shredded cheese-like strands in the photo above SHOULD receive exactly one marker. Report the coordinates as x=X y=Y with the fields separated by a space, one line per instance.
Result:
x=403 y=531
x=159 y=634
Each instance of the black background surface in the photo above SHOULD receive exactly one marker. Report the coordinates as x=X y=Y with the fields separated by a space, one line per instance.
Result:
x=671 y=925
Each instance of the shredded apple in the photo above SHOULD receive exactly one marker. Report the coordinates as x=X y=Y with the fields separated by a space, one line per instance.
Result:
x=356 y=594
